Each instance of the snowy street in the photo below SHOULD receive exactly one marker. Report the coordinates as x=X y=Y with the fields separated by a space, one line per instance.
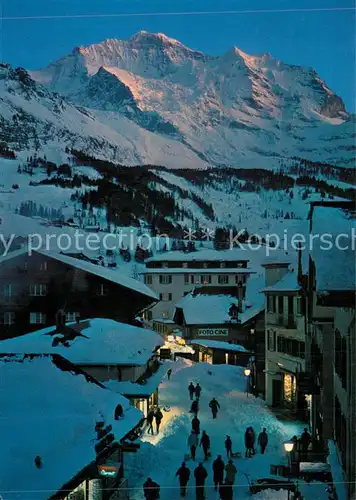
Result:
x=161 y=455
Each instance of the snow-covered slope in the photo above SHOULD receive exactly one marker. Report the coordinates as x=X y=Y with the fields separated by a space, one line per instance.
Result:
x=150 y=99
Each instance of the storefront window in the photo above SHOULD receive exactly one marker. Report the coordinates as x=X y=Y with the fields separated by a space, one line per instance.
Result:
x=290 y=388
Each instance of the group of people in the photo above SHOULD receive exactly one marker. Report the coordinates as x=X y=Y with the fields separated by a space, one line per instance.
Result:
x=156 y=415
x=196 y=391
x=250 y=440
x=200 y=474
x=223 y=475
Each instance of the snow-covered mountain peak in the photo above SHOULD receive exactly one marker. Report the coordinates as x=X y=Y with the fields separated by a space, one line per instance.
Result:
x=153 y=38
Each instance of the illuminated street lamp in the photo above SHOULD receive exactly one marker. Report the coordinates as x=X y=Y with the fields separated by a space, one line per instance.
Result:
x=247 y=373
x=288 y=446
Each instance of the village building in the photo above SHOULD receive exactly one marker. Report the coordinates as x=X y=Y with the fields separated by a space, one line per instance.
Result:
x=285 y=339
x=34 y=287
x=60 y=435
x=171 y=275
x=331 y=339
x=231 y=315
x=218 y=352
x=120 y=356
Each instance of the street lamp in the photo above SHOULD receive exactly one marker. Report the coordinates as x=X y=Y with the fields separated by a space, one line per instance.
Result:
x=247 y=373
x=288 y=446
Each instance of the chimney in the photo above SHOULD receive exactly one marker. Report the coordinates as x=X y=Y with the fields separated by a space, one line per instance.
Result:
x=275 y=271
x=240 y=292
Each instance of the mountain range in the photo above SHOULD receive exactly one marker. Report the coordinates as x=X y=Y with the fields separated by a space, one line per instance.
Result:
x=152 y=100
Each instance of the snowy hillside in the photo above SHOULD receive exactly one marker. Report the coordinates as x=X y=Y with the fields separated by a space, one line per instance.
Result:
x=152 y=100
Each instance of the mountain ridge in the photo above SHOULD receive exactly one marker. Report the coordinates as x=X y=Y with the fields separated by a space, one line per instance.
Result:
x=169 y=103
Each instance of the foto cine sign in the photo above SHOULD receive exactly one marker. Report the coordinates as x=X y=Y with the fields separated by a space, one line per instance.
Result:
x=108 y=470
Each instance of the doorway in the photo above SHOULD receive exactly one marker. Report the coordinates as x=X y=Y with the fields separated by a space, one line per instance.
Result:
x=276 y=392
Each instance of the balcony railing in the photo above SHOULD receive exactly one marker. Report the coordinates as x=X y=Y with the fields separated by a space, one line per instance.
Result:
x=286 y=321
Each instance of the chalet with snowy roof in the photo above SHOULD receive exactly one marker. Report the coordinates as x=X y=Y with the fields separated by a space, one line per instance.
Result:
x=122 y=357
x=34 y=287
x=331 y=334
x=60 y=430
x=220 y=352
x=171 y=275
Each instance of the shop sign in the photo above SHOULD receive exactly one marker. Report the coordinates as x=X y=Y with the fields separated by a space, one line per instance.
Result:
x=109 y=469
x=213 y=332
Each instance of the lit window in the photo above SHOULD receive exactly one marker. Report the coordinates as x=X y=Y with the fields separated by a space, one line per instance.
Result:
x=205 y=279
x=165 y=264
x=165 y=314
x=185 y=265
x=222 y=264
x=37 y=318
x=38 y=290
x=9 y=318
x=205 y=265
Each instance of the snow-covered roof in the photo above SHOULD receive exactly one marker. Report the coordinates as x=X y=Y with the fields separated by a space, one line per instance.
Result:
x=289 y=283
x=335 y=267
x=99 y=342
x=218 y=344
x=207 y=308
x=51 y=413
x=88 y=267
x=205 y=254
x=276 y=260
x=130 y=389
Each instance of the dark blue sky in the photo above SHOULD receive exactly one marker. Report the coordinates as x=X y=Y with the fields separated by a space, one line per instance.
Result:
x=323 y=40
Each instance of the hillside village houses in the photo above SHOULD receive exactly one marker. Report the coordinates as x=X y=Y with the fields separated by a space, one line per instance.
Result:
x=59 y=433
x=34 y=287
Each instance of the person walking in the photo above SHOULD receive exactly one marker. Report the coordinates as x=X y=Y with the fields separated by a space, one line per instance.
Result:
x=253 y=438
x=151 y=489
x=197 y=391
x=228 y=446
x=231 y=472
x=200 y=475
x=218 y=471
x=191 y=390
x=305 y=440
x=248 y=443
x=263 y=440
x=169 y=373
x=196 y=425
x=214 y=405
x=194 y=407
x=193 y=444
x=183 y=473
x=158 y=418
x=149 y=418
x=205 y=444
